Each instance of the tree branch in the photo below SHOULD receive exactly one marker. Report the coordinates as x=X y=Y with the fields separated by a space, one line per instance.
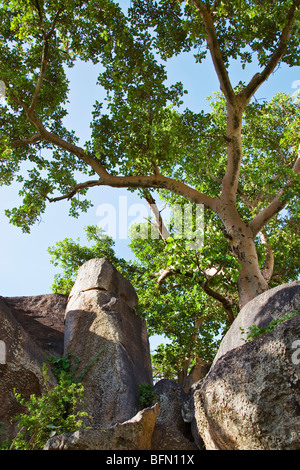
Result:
x=76 y=188
x=161 y=182
x=220 y=298
x=276 y=205
x=159 y=223
x=267 y=270
x=259 y=78
x=34 y=139
x=131 y=181
x=63 y=144
x=44 y=59
x=214 y=47
x=296 y=167
x=163 y=274
x=37 y=5
x=157 y=181
x=170 y=271
x=261 y=219
x=48 y=36
x=39 y=83
x=15 y=98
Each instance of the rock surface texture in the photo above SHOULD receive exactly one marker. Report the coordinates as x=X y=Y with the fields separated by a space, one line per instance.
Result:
x=270 y=305
x=250 y=399
x=42 y=317
x=21 y=369
x=134 y=434
x=171 y=432
x=110 y=338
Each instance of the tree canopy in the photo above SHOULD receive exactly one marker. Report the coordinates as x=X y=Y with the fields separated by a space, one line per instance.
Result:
x=241 y=160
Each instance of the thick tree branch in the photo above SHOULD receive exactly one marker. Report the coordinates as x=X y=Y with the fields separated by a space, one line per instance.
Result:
x=234 y=110
x=214 y=47
x=156 y=181
x=261 y=219
x=261 y=77
x=235 y=154
x=276 y=205
x=159 y=223
x=220 y=298
x=164 y=274
x=161 y=182
x=131 y=181
x=267 y=270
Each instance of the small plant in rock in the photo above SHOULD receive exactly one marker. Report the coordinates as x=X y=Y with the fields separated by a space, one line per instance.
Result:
x=4 y=440
x=67 y=365
x=147 y=396
x=255 y=331
x=55 y=412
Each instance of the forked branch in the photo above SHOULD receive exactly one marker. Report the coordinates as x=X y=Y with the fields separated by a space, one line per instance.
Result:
x=261 y=77
x=74 y=191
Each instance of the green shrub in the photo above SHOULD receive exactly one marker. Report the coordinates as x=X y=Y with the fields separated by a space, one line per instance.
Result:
x=147 y=396
x=5 y=443
x=55 y=412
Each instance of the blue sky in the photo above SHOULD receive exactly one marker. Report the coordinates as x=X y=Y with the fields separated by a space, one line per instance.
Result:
x=25 y=262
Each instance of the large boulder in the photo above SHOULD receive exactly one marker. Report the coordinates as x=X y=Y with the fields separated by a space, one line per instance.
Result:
x=98 y=273
x=21 y=368
x=42 y=317
x=270 y=305
x=134 y=434
x=250 y=399
x=103 y=330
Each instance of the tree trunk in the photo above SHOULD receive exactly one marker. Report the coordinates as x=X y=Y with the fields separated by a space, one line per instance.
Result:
x=251 y=281
x=183 y=371
x=199 y=370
